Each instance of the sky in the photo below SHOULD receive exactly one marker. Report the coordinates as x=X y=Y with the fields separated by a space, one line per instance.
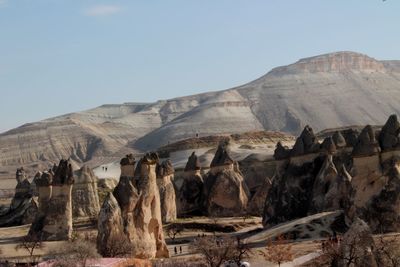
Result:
x=61 y=56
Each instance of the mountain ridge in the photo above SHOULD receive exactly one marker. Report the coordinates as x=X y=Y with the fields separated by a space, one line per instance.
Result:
x=318 y=91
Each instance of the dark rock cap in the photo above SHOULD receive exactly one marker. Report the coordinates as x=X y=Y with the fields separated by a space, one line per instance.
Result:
x=305 y=143
x=389 y=135
x=164 y=169
x=63 y=173
x=20 y=175
x=328 y=145
x=366 y=143
x=43 y=179
x=127 y=160
x=339 y=140
x=221 y=157
x=193 y=163
x=281 y=152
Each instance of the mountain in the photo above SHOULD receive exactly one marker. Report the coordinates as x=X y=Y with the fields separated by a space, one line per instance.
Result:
x=325 y=91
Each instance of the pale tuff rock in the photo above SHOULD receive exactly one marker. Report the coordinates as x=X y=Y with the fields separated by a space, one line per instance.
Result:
x=54 y=219
x=110 y=225
x=85 y=198
x=165 y=176
x=135 y=209
x=366 y=143
x=190 y=194
x=226 y=192
x=389 y=135
x=107 y=183
x=150 y=242
x=23 y=207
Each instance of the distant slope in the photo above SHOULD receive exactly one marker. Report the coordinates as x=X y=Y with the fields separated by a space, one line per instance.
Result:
x=326 y=91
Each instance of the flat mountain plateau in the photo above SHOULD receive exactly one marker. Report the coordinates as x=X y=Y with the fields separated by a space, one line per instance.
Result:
x=325 y=91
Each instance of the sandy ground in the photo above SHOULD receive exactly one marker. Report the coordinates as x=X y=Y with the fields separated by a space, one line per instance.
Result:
x=9 y=238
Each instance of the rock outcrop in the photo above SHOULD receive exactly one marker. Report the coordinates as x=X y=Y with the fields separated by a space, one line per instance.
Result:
x=54 y=219
x=134 y=208
x=389 y=135
x=339 y=139
x=366 y=143
x=332 y=189
x=226 y=192
x=85 y=198
x=110 y=226
x=257 y=202
x=356 y=174
x=281 y=152
x=306 y=143
x=381 y=210
x=165 y=176
x=190 y=195
x=290 y=194
x=328 y=145
x=23 y=206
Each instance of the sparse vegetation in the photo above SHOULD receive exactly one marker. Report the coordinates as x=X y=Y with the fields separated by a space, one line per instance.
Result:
x=388 y=251
x=119 y=246
x=216 y=250
x=30 y=243
x=75 y=253
x=173 y=230
x=278 y=252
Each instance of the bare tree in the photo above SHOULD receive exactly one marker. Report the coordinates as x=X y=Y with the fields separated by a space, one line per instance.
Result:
x=350 y=252
x=118 y=246
x=388 y=251
x=246 y=216
x=75 y=253
x=216 y=250
x=241 y=252
x=173 y=230
x=278 y=252
x=30 y=243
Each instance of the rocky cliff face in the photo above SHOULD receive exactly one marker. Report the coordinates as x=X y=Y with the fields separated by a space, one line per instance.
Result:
x=318 y=91
x=360 y=179
x=134 y=209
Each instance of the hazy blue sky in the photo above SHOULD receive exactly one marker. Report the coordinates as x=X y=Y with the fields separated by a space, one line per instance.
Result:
x=60 y=56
